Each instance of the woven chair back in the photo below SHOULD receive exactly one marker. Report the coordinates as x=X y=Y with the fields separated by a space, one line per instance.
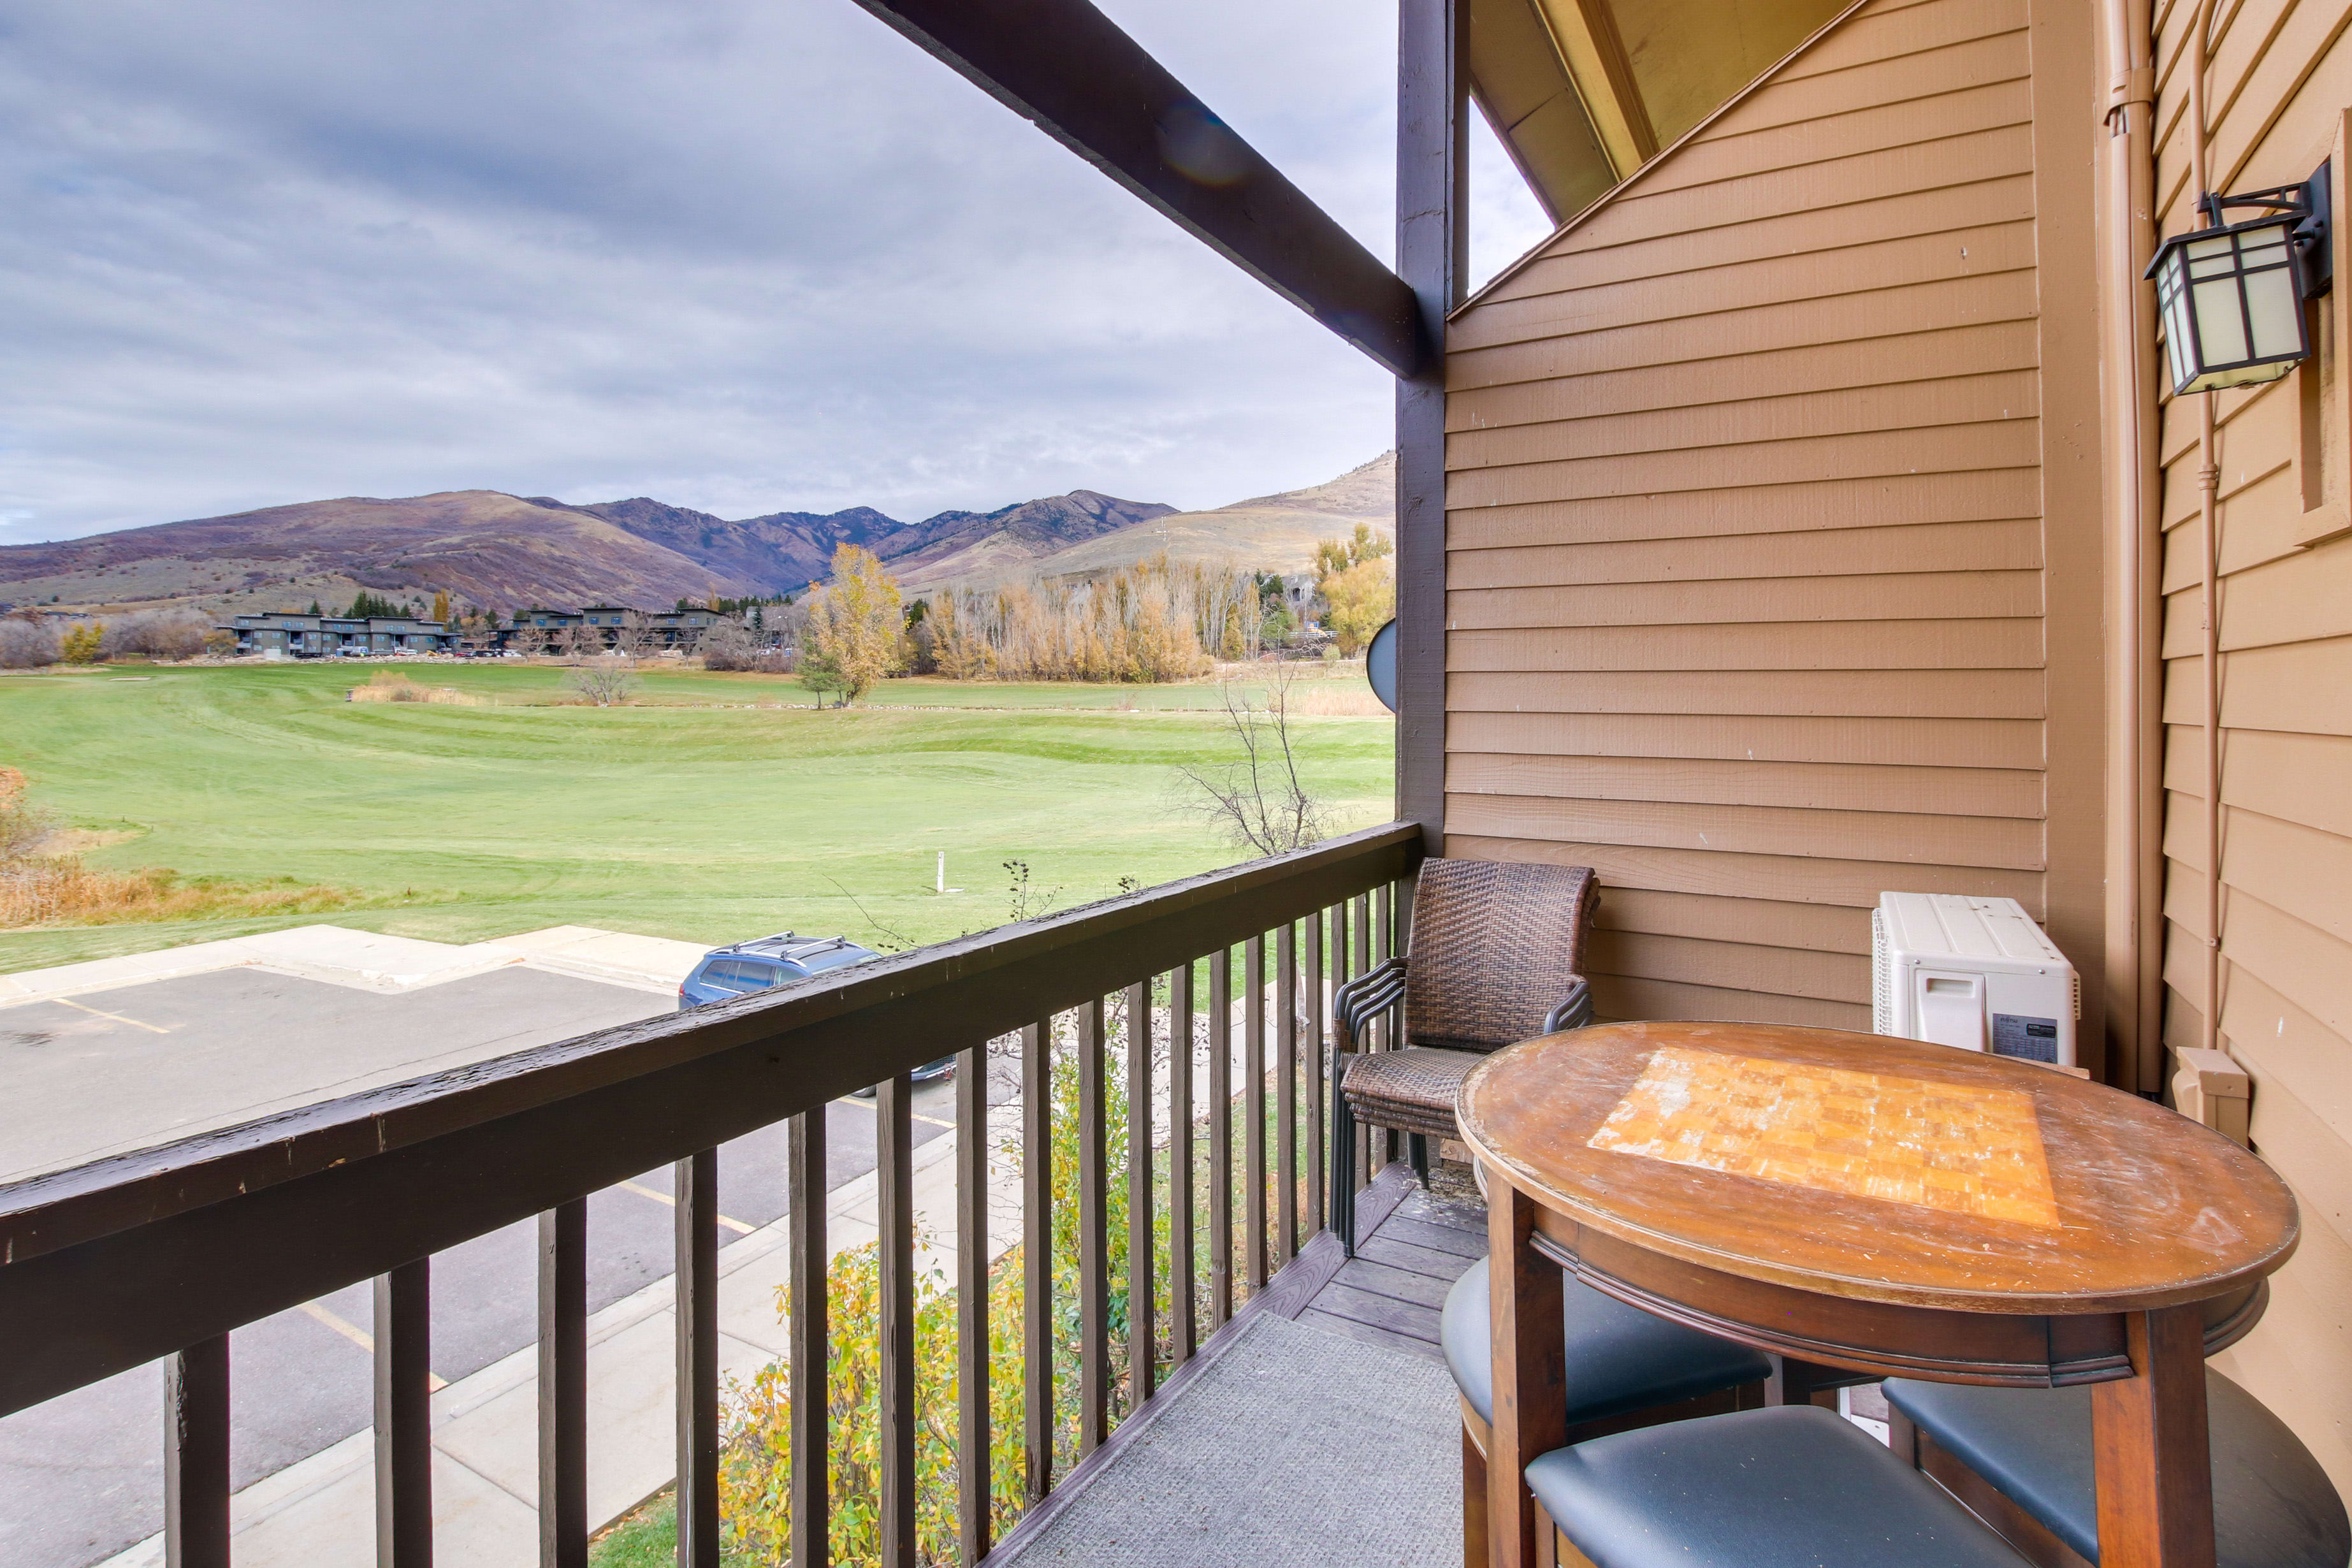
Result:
x=1495 y=945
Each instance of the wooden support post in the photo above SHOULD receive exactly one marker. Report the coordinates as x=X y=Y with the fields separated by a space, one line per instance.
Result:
x=196 y=1457
x=1432 y=257
x=404 y=1417
x=563 y=1386
x=810 y=1437
x=696 y=1180
x=1530 y=1368
x=2150 y=1447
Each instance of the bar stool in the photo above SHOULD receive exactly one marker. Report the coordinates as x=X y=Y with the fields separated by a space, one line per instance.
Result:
x=1625 y=1369
x=2021 y=1458
x=1789 y=1487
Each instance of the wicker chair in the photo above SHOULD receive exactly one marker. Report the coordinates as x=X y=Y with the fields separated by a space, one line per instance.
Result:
x=1497 y=956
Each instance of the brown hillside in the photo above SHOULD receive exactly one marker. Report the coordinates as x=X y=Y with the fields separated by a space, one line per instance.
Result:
x=1265 y=534
x=502 y=552
x=483 y=546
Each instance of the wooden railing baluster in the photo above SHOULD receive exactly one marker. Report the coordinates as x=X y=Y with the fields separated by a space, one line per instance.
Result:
x=894 y=1164
x=1182 y=1332
x=1038 y=1258
x=1315 y=1071
x=1221 y=1137
x=1391 y=1026
x=1385 y=947
x=1143 y=1343
x=1338 y=914
x=1286 y=1086
x=196 y=1457
x=563 y=1386
x=810 y=1435
x=1254 y=1110
x=1093 y=1248
x=1371 y=1142
x=972 y=1434
x=695 y=1183
x=404 y=1417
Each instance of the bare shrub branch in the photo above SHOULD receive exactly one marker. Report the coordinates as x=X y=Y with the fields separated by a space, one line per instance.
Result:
x=1257 y=803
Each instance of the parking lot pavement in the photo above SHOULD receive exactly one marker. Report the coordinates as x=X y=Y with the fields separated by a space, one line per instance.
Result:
x=100 y=1074
x=81 y=1476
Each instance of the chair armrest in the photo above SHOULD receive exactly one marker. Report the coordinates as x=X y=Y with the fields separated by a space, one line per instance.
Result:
x=1574 y=1012
x=1364 y=998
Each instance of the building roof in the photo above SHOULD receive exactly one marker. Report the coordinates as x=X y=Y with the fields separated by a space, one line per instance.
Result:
x=1584 y=92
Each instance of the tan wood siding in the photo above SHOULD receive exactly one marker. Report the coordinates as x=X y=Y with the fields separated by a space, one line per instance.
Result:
x=1753 y=556
x=2281 y=80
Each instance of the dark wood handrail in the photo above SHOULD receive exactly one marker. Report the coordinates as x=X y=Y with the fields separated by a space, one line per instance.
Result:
x=112 y=1264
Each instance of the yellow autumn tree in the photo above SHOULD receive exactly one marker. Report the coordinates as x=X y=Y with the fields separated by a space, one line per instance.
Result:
x=1362 y=600
x=857 y=630
x=1333 y=556
x=441 y=606
x=1357 y=583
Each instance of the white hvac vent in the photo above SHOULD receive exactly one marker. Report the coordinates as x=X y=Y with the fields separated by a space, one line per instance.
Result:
x=1977 y=973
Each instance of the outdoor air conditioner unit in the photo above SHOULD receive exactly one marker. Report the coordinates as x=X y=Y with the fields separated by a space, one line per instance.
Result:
x=1973 y=973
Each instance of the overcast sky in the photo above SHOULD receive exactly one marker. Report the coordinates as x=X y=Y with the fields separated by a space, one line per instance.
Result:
x=739 y=255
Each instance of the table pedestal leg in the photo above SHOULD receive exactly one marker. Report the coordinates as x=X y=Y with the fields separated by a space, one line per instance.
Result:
x=1531 y=1372
x=2153 y=1455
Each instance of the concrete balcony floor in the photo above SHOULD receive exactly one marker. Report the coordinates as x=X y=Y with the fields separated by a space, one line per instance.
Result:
x=1320 y=1427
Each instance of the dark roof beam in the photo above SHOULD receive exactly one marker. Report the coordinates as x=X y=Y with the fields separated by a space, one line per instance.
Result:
x=1068 y=68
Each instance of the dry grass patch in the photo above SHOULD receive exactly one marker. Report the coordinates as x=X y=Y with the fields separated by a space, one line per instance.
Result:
x=62 y=892
x=1334 y=700
x=392 y=686
x=43 y=881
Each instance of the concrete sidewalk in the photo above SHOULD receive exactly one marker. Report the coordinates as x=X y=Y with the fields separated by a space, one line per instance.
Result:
x=370 y=961
x=321 y=1512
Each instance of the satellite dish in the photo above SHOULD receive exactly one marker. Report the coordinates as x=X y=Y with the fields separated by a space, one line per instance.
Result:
x=1380 y=665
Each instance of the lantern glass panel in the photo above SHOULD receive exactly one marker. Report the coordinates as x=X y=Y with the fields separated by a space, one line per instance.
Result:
x=2276 y=314
x=2221 y=330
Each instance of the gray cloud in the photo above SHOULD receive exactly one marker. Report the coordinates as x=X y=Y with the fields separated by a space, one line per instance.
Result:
x=738 y=256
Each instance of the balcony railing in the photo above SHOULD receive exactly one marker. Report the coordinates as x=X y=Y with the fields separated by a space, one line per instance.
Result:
x=161 y=1253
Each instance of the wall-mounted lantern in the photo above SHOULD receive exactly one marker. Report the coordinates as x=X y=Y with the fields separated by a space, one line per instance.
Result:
x=2232 y=294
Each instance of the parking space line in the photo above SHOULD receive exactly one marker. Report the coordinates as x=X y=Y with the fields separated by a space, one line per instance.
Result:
x=869 y=1104
x=737 y=1225
x=362 y=1338
x=102 y=1012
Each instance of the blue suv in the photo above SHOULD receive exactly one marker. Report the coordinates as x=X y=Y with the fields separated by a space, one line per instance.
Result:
x=727 y=973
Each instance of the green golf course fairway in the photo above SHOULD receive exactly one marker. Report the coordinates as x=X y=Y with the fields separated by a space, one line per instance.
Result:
x=705 y=810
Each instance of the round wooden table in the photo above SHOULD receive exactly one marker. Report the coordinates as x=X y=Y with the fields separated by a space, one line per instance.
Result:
x=1881 y=1206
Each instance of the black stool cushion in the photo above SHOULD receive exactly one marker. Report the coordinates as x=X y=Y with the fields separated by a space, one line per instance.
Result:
x=1789 y=1486
x=1619 y=1358
x=2273 y=1505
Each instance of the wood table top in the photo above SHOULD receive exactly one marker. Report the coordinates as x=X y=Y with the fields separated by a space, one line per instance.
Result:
x=1876 y=1168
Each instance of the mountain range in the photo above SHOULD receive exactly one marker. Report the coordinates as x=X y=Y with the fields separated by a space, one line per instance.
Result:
x=501 y=551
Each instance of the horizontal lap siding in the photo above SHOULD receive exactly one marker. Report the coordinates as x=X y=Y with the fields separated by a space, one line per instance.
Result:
x=2280 y=80
x=1746 y=577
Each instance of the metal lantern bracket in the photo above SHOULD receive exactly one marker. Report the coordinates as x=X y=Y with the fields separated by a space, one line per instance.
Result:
x=2310 y=202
